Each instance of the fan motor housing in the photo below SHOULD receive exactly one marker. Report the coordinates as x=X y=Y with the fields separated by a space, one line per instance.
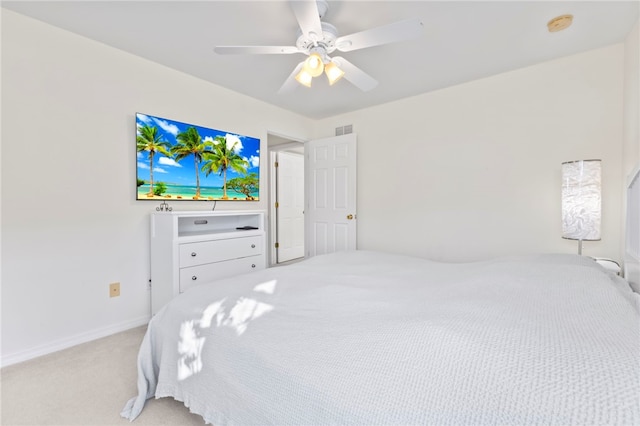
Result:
x=327 y=41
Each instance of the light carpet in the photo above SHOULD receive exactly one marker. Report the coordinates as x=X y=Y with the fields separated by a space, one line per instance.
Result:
x=87 y=384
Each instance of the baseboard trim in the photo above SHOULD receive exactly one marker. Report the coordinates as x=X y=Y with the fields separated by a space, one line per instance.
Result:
x=68 y=342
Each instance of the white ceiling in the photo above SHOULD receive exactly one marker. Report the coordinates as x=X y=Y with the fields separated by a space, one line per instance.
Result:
x=462 y=41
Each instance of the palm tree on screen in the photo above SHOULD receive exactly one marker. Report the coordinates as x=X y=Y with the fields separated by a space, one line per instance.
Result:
x=148 y=139
x=190 y=143
x=221 y=159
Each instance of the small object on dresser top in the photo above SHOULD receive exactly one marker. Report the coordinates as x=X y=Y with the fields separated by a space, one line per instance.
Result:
x=608 y=264
x=246 y=228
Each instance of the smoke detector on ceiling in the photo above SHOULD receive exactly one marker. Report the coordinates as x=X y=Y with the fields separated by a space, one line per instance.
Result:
x=559 y=23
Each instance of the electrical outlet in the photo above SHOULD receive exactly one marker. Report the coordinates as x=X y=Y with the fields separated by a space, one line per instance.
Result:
x=114 y=289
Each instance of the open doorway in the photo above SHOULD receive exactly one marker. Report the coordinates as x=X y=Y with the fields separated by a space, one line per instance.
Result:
x=286 y=199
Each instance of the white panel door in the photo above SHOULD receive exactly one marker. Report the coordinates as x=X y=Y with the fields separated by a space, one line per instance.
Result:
x=290 y=211
x=331 y=194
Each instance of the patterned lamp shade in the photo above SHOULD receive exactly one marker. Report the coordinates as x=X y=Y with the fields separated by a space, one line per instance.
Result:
x=581 y=200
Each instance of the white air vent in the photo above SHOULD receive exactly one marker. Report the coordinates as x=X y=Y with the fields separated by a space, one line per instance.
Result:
x=344 y=130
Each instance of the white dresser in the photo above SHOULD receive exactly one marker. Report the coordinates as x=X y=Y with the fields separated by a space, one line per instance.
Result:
x=194 y=247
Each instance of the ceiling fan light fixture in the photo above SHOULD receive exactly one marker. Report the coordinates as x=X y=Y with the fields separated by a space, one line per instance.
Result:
x=318 y=39
x=333 y=73
x=313 y=65
x=304 y=78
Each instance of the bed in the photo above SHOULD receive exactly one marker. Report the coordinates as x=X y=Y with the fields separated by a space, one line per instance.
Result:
x=371 y=338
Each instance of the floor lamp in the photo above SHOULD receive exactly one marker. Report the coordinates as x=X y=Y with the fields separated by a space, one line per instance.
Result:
x=581 y=201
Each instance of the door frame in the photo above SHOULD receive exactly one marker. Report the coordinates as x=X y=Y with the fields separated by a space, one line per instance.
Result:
x=272 y=197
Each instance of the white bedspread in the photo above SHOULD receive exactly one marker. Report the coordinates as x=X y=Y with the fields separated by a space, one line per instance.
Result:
x=367 y=338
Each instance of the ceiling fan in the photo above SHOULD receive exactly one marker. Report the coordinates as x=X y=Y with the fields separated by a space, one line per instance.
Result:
x=318 y=40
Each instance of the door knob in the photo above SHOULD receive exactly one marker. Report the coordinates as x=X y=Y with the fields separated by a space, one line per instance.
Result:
x=350 y=216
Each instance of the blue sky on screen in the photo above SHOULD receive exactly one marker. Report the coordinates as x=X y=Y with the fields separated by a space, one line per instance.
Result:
x=183 y=173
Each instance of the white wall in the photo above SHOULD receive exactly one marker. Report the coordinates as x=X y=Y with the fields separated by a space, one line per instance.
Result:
x=631 y=144
x=473 y=171
x=631 y=140
x=70 y=222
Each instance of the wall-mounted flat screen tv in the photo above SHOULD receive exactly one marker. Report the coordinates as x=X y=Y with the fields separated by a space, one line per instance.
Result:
x=180 y=161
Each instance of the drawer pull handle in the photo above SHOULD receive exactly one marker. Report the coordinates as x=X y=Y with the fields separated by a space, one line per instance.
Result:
x=253 y=265
x=194 y=278
x=193 y=254
x=253 y=246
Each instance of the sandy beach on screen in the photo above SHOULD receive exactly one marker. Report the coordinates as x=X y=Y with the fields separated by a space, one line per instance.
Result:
x=168 y=197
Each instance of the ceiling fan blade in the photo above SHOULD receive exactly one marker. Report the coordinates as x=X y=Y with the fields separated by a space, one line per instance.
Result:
x=256 y=50
x=355 y=75
x=290 y=83
x=308 y=17
x=391 y=33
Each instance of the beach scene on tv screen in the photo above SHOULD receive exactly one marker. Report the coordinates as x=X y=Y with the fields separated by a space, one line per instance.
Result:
x=180 y=161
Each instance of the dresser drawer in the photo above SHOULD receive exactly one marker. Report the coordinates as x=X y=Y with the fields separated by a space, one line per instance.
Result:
x=192 y=254
x=201 y=274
